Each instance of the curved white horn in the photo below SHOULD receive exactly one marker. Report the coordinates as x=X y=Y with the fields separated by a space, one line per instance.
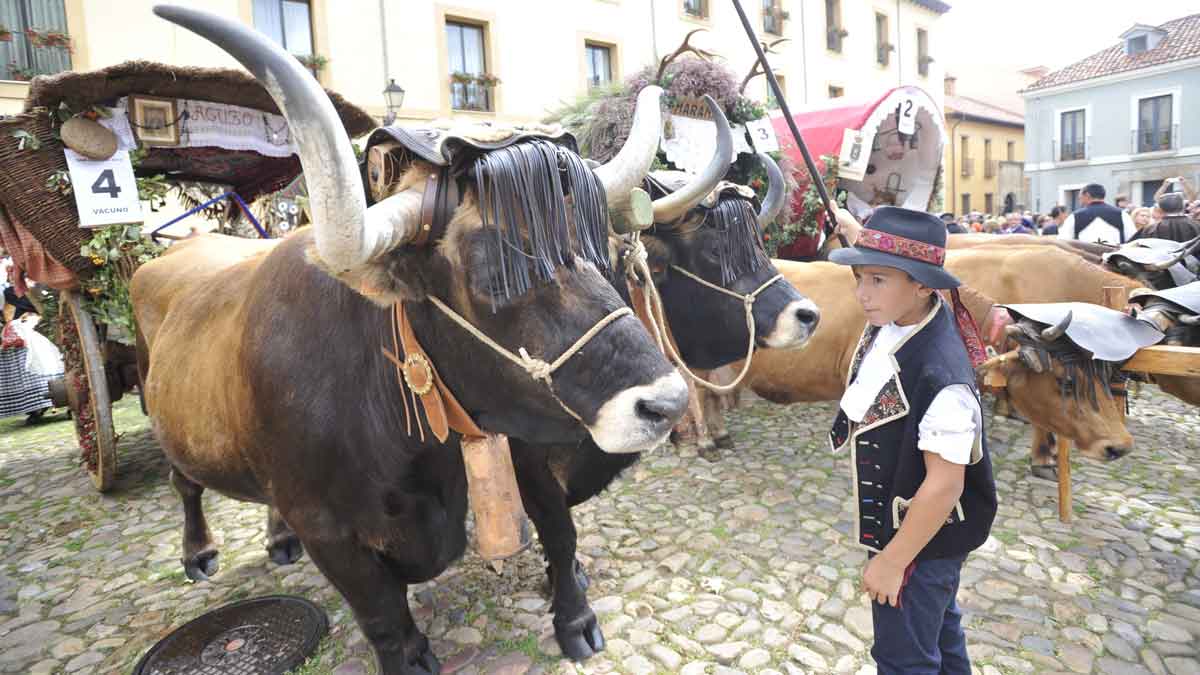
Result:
x=671 y=207
x=629 y=167
x=776 y=191
x=1184 y=251
x=347 y=234
x=1054 y=332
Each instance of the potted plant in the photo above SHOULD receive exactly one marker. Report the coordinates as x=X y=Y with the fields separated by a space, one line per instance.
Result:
x=459 y=77
x=838 y=32
x=488 y=80
x=314 y=62
x=6 y=35
x=34 y=37
x=57 y=39
x=20 y=73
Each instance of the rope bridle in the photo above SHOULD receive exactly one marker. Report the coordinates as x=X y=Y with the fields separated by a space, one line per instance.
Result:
x=637 y=265
x=536 y=368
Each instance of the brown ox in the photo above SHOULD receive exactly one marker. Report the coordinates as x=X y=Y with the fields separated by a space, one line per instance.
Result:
x=1040 y=274
x=1086 y=250
x=819 y=372
x=265 y=371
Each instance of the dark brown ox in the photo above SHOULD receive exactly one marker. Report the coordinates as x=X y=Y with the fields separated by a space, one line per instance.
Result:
x=265 y=376
x=699 y=240
x=819 y=372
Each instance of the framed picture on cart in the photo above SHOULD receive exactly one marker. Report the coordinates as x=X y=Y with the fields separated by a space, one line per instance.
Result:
x=154 y=120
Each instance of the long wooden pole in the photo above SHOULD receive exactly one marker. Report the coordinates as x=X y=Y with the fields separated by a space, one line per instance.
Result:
x=787 y=116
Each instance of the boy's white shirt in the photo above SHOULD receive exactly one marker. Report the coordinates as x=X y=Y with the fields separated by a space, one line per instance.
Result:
x=950 y=424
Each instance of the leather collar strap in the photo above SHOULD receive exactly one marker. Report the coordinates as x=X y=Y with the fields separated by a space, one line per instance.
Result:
x=442 y=409
x=439 y=199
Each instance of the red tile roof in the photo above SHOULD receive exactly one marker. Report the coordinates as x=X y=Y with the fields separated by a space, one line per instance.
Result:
x=1182 y=42
x=986 y=112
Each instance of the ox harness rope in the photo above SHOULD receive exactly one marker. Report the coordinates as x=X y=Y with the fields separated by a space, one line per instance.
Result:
x=637 y=269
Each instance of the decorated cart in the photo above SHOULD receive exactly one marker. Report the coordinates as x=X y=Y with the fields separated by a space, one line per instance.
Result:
x=883 y=151
x=77 y=168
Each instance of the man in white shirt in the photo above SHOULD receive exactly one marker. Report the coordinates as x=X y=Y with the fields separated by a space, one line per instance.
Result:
x=1097 y=222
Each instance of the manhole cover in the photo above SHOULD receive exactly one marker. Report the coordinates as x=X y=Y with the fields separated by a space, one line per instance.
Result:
x=260 y=636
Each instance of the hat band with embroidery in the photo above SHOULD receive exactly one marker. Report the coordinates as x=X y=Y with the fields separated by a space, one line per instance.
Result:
x=901 y=246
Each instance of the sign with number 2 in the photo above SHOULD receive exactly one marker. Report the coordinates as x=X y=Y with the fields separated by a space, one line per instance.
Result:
x=105 y=190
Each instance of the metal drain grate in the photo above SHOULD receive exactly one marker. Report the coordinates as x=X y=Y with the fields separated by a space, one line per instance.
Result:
x=260 y=636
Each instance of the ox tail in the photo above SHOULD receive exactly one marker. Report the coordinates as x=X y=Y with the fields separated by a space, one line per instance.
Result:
x=143 y=366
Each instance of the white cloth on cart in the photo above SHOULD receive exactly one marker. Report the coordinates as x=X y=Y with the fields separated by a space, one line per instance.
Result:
x=42 y=357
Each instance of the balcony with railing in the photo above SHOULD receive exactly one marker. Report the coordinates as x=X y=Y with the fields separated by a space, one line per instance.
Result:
x=1160 y=139
x=1072 y=151
x=968 y=167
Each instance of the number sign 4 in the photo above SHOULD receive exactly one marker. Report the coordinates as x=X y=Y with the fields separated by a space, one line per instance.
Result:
x=105 y=190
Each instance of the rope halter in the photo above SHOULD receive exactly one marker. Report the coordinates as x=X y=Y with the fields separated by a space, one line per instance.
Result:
x=637 y=268
x=536 y=368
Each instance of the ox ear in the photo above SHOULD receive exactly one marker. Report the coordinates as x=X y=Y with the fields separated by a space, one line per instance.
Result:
x=1031 y=359
x=658 y=257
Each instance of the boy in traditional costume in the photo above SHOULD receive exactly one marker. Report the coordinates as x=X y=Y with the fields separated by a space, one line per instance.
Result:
x=924 y=494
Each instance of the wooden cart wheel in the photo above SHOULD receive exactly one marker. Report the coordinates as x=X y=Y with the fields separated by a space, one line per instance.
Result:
x=88 y=391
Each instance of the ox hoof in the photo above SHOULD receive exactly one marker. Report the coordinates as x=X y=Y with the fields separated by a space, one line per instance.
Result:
x=1045 y=472
x=709 y=453
x=286 y=550
x=201 y=566
x=724 y=442
x=424 y=663
x=579 y=638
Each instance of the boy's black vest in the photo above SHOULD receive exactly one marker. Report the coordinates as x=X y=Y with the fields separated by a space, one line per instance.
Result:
x=886 y=465
x=1106 y=212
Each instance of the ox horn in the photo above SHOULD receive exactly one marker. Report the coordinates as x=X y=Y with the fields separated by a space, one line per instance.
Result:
x=1184 y=251
x=776 y=191
x=1054 y=332
x=347 y=234
x=624 y=172
x=671 y=207
x=1189 y=319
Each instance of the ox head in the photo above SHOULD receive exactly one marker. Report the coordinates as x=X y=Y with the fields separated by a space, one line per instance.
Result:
x=1157 y=263
x=1058 y=386
x=523 y=261
x=1175 y=312
x=711 y=229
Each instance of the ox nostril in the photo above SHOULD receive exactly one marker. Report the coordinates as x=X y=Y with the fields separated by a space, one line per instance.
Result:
x=807 y=317
x=661 y=411
x=1115 y=452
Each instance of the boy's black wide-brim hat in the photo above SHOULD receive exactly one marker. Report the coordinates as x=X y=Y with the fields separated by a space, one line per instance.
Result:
x=907 y=240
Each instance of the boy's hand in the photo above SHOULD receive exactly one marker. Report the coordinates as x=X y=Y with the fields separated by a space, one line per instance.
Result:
x=882 y=580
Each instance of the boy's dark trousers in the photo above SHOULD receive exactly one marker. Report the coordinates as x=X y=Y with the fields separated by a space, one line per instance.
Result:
x=924 y=635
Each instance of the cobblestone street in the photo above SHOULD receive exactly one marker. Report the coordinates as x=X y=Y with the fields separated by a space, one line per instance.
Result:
x=739 y=566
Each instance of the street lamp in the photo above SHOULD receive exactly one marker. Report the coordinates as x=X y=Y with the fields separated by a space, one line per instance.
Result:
x=393 y=95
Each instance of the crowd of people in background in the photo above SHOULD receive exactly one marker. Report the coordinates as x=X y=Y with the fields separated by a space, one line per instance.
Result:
x=1175 y=215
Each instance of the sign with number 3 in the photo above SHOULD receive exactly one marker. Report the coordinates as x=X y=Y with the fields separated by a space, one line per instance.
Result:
x=105 y=190
x=762 y=134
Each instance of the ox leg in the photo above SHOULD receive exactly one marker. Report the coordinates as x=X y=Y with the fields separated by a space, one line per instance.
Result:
x=283 y=545
x=1042 y=460
x=545 y=501
x=199 y=553
x=380 y=603
x=714 y=417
